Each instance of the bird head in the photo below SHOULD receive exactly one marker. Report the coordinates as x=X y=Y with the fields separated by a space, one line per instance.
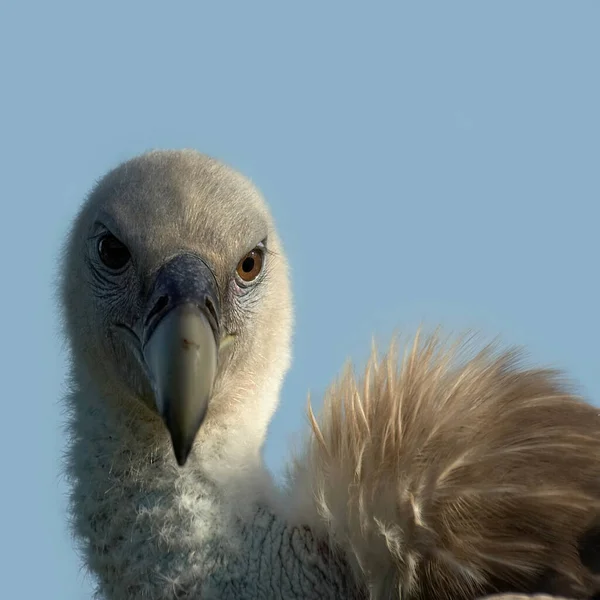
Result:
x=175 y=290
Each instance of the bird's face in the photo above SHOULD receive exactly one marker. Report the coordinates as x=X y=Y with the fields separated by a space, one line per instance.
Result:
x=175 y=288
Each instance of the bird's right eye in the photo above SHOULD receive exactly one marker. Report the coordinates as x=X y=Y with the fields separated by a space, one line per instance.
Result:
x=112 y=252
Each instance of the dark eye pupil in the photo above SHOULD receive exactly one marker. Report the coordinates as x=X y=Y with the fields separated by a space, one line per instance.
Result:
x=113 y=253
x=248 y=264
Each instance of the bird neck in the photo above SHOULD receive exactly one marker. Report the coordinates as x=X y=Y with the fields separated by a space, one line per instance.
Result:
x=149 y=529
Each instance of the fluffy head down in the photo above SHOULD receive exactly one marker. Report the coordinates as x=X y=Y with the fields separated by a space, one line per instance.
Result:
x=443 y=478
x=160 y=205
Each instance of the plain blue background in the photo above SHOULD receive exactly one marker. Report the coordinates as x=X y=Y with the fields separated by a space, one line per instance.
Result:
x=425 y=161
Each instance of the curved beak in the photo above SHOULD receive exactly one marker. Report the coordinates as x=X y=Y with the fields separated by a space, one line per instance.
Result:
x=181 y=347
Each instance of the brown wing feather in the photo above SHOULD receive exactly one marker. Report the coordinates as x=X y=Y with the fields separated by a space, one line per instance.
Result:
x=446 y=477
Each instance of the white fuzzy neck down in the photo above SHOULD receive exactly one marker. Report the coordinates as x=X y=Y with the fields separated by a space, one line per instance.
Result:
x=148 y=529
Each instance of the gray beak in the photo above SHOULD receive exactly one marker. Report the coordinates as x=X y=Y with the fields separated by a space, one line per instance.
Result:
x=181 y=347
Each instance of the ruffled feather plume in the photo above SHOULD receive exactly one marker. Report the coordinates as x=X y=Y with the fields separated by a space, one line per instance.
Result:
x=449 y=476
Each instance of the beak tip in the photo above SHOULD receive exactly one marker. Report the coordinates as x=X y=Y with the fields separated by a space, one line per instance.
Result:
x=181 y=448
x=183 y=440
x=181 y=454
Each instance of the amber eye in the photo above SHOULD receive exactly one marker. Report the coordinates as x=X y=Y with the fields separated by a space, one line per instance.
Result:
x=112 y=252
x=250 y=266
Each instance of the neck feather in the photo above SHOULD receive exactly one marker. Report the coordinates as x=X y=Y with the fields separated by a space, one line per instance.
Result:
x=148 y=529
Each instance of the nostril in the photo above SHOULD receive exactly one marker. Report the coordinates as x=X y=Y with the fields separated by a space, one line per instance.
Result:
x=160 y=305
x=211 y=309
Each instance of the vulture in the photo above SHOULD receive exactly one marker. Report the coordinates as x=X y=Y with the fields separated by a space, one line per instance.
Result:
x=440 y=471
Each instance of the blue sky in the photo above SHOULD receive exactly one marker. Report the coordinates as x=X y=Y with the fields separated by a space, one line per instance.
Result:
x=426 y=162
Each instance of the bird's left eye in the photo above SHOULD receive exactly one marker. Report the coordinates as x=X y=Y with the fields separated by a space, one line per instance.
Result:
x=250 y=266
x=112 y=252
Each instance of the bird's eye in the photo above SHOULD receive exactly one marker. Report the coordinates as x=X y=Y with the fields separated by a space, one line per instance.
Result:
x=112 y=252
x=250 y=266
